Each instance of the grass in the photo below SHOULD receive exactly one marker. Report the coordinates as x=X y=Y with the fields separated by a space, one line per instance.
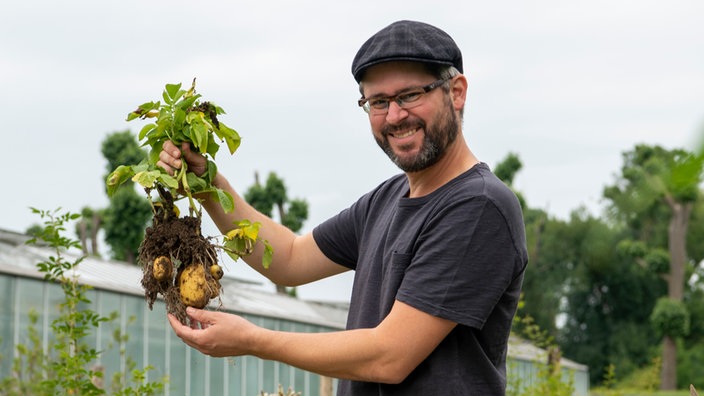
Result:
x=624 y=392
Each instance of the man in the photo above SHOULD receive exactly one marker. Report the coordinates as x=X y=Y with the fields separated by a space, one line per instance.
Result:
x=438 y=251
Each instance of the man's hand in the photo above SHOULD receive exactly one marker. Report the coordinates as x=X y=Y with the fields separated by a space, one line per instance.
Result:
x=216 y=334
x=386 y=354
x=171 y=158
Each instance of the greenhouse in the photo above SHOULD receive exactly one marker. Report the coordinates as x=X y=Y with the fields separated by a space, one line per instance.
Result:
x=147 y=338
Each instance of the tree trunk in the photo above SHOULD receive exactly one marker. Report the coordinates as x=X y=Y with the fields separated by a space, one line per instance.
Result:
x=129 y=256
x=282 y=212
x=668 y=376
x=82 y=236
x=94 y=234
x=677 y=241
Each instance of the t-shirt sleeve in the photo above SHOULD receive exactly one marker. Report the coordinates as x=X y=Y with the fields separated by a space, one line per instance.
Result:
x=337 y=237
x=463 y=263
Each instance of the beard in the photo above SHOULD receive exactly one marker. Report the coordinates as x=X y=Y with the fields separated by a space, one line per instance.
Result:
x=442 y=133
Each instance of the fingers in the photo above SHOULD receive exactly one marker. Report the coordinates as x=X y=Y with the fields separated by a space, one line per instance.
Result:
x=169 y=158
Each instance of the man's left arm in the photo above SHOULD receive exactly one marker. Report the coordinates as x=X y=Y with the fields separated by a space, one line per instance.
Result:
x=387 y=353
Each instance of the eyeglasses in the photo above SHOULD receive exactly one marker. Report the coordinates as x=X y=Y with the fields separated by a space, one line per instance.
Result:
x=405 y=100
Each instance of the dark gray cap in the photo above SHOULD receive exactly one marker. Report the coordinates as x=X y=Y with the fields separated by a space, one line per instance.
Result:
x=407 y=41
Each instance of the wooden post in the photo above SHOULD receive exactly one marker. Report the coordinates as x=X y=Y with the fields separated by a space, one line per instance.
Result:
x=325 y=386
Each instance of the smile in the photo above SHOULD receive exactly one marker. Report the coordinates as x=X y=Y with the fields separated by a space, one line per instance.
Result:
x=406 y=134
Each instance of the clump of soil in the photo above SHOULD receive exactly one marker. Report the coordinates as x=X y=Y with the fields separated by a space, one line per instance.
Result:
x=180 y=239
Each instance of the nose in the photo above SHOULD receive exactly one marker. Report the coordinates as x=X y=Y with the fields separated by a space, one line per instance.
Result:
x=396 y=113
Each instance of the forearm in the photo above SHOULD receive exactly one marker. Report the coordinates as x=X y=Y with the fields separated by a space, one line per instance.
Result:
x=387 y=353
x=354 y=354
x=296 y=259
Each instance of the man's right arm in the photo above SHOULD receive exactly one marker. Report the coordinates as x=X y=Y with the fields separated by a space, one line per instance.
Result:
x=297 y=259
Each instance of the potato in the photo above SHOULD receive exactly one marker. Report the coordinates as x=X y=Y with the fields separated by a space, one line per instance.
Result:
x=194 y=288
x=216 y=271
x=162 y=268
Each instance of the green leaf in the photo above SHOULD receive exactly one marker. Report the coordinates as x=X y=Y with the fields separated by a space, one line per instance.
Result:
x=153 y=157
x=268 y=256
x=146 y=178
x=168 y=180
x=199 y=135
x=232 y=255
x=213 y=147
x=171 y=92
x=140 y=167
x=185 y=103
x=144 y=108
x=226 y=200
x=195 y=183
x=232 y=138
x=237 y=244
x=120 y=175
x=212 y=170
x=145 y=130
x=179 y=117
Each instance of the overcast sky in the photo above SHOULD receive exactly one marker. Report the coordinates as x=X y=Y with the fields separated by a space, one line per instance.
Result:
x=567 y=85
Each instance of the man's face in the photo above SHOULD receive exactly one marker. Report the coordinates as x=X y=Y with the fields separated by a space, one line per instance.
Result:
x=414 y=138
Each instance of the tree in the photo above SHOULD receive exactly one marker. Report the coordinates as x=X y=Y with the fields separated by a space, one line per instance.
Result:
x=292 y=213
x=65 y=363
x=87 y=228
x=128 y=214
x=654 y=197
x=506 y=170
x=543 y=281
x=607 y=301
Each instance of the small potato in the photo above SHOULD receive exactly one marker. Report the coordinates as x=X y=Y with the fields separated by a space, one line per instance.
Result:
x=162 y=268
x=216 y=271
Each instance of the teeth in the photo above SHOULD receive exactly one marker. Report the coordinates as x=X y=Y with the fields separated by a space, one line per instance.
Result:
x=407 y=134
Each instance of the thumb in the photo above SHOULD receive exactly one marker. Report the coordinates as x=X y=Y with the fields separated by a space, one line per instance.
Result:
x=186 y=150
x=195 y=160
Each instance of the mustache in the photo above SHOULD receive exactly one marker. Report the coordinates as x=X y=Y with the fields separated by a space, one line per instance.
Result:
x=405 y=125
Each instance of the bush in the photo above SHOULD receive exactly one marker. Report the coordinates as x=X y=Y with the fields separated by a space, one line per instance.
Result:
x=68 y=365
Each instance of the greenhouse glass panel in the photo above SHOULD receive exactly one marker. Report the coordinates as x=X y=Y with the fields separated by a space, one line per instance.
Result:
x=132 y=326
x=178 y=361
x=156 y=342
x=110 y=351
x=7 y=319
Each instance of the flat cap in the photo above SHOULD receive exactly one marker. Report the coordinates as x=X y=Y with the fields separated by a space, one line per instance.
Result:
x=407 y=41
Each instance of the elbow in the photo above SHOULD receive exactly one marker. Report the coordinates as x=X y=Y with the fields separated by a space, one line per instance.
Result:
x=392 y=373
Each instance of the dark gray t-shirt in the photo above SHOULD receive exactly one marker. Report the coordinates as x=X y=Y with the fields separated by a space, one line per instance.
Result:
x=458 y=253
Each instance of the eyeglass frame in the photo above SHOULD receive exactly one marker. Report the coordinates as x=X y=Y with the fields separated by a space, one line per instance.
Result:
x=398 y=98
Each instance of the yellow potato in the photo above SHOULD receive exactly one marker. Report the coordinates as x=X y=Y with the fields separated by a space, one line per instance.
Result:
x=216 y=271
x=162 y=268
x=194 y=288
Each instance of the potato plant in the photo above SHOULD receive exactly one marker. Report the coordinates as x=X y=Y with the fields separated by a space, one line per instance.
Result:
x=178 y=262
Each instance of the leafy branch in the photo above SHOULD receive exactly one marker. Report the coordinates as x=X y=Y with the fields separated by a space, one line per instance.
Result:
x=183 y=117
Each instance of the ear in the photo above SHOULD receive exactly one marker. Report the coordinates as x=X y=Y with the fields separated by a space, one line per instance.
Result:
x=458 y=90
